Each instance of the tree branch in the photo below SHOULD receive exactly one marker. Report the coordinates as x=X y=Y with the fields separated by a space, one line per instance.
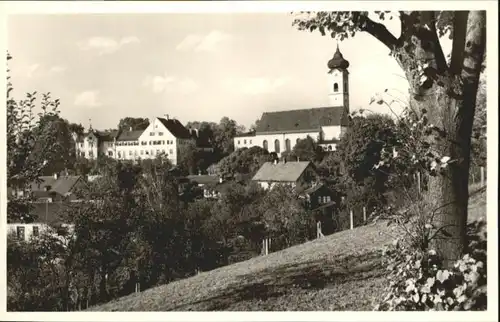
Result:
x=378 y=31
x=458 y=46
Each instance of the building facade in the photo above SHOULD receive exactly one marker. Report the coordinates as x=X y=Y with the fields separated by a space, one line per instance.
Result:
x=279 y=131
x=163 y=136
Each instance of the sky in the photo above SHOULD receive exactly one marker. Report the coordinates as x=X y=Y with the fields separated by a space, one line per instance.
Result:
x=194 y=67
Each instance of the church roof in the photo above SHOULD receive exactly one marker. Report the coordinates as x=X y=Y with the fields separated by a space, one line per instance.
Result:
x=302 y=120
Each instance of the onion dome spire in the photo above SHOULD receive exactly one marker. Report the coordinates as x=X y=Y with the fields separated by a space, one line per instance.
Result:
x=338 y=61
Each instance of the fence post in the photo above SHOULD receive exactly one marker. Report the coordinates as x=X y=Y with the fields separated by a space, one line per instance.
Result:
x=482 y=177
x=364 y=214
x=418 y=182
x=352 y=219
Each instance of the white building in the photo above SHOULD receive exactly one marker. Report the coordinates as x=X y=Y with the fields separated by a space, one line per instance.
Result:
x=280 y=131
x=162 y=136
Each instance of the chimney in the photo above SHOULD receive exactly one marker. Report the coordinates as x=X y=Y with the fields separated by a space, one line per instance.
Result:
x=166 y=115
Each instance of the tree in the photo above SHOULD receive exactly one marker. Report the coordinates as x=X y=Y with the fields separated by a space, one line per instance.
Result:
x=243 y=161
x=134 y=123
x=444 y=93
x=224 y=133
x=189 y=158
x=308 y=150
x=23 y=166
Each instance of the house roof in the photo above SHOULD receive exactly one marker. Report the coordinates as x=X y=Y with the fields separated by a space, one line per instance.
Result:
x=315 y=188
x=61 y=185
x=176 y=128
x=106 y=135
x=129 y=135
x=281 y=172
x=247 y=134
x=204 y=179
x=302 y=120
x=48 y=212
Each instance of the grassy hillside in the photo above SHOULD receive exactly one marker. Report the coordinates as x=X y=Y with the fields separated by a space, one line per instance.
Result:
x=338 y=272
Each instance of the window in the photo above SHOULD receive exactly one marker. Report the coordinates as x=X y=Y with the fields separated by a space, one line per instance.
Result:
x=130 y=152
x=336 y=87
x=244 y=141
x=110 y=153
x=264 y=145
x=36 y=231
x=319 y=199
x=20 y=232
x=170 y=151
x=250 y=141
x=135 y=152
x=288 y=146
x=238 y=142
x=329 y=148
x=328 y=199
x=119 y=154
x=160 y=133
x=277 y=146
x=151 y=133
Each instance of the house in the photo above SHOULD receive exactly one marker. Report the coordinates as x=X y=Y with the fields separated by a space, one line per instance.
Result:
x=211 y=185
x=295 y=174
x=163 y=136
x=53 y=188
x=47 y=217
x=318 y=195
x=280 y=131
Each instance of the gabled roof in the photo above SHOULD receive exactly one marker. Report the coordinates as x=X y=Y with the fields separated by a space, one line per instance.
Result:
x=62 y=185
x=176 y=128
x=129 y=135
x=281 y=172
x=313 y=189
x=302 y=120
x=247 y=134
x=48 y=212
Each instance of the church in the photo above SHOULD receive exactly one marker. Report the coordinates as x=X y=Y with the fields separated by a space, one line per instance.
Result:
x=279 y=131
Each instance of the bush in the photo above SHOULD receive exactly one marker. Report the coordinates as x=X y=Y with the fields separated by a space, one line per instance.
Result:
x=419 y=281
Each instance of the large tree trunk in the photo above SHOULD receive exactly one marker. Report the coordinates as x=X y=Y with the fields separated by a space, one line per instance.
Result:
x=449 y=97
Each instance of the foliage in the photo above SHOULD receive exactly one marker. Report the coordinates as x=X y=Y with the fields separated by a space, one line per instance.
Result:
x=308 y=150
x=418 y=280
x=243 y=161
x=133 y=123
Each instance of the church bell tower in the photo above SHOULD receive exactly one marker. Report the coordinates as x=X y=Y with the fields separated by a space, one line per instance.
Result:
x=338 y=81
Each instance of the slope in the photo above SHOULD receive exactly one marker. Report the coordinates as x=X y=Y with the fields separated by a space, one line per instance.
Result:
x=338 y=272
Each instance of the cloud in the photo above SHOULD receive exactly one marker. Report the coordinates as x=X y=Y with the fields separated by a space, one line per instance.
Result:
x=187 y=86
x=104 y=45
x=28 y=71
x=57 y=69
x=256 y=85
x=166 y=83
x=88 y=99
x=158 y=84
x=203 y=43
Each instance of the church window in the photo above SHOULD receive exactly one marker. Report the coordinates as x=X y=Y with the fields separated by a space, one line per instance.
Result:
x=264 y=145
x=336 y=87
x=288 y=145
x=277 y=146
